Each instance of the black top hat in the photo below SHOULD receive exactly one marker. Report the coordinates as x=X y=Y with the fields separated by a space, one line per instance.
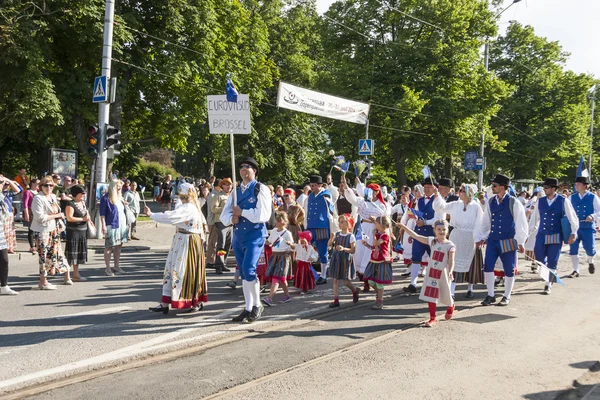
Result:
x=551 y=182
x=316 y=179
x=250 y=161
x=445 y=182
x=429 y=181
x=583 y=179
x=501 y=180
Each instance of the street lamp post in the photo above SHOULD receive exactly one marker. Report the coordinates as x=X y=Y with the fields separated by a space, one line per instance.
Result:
x=486 y=61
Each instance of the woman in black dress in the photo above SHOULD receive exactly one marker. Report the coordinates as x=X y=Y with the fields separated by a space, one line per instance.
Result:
x=165 y=193
x=77 y=218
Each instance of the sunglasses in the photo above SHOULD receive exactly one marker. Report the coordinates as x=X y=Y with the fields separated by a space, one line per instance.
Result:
x=547 y=187
x=245 y=166
x=47 y=185
x=461 y=190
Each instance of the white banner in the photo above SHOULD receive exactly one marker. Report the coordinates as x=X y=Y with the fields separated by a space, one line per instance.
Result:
x=229 y=117
x=311 y=102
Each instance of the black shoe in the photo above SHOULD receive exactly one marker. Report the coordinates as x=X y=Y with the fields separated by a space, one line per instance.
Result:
x=210 y=266
x=574 y=274
x=503 y=302
x=404 y=275
x=225 y=269
x=547 y=290
x=321 y=281
x=592 y=268
x=219 y=271
x=488 y=300
x=470 y=295
x=334 y=304
x=160 y=308
x=196 y=308
x=242 y=317
x=410 y=289
x=255 y=314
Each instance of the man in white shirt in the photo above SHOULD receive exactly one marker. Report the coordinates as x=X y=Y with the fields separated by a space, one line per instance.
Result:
x=587 y=208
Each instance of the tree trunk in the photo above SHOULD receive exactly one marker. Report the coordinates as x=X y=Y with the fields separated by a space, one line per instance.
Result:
x=448 y=167
x=400 y=164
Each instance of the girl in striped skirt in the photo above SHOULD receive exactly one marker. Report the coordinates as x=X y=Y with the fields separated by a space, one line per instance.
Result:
x=280 y=262
x=341 y=266
x=379 y=270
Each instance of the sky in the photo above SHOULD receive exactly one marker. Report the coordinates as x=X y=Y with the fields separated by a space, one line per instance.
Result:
x=573 y=23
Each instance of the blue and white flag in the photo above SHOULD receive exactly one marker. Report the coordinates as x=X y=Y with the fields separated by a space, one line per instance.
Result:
x=545 y=273
x=232 y=92
x=582 y=169
x=426 y=171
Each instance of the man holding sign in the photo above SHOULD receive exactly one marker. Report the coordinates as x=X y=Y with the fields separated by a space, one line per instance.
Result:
x=253 y=209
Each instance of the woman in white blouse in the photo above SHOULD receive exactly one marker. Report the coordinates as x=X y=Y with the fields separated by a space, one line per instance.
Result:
x=465 y=215
x=184 y=281
x=47 y=223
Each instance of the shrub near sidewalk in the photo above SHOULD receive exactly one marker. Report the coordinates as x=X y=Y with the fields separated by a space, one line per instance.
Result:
x=144 y=172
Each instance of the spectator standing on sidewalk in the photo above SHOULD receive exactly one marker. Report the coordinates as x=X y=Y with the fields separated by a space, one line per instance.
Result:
x=132 y=197
x=23 y=181
x=10 y=189
x=211 y=249
x=76 y=244
x=156 y=183
x=4 y=288
x=114 y=225
x=224 y=233
x=27 y=215
x=165 y=193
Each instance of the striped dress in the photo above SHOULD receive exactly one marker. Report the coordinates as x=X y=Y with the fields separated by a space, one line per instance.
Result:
x=280 y=261
x=342 y=264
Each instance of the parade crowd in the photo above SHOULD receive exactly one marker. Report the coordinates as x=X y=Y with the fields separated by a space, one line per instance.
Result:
x=304 y=237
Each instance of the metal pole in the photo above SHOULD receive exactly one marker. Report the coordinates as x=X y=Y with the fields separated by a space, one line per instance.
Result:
x=592 y=132
x=234 y=190
x=486 y=61
x=104 y=108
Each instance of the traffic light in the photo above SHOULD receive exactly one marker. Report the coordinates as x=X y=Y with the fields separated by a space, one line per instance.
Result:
x=368 y=170
x=93 y=140
x=113 y=141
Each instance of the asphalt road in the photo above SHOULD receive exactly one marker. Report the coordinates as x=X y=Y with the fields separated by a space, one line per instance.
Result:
x=534 y=348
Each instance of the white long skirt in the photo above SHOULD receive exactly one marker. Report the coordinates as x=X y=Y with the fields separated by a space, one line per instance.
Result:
x=362 y=256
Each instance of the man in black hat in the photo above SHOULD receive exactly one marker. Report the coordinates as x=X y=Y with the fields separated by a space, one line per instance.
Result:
x=249 y=215
x=504 y=228
x=546 y=218
x=587 y=208
x=424 y=227
x=444 y=189
x=319 y=209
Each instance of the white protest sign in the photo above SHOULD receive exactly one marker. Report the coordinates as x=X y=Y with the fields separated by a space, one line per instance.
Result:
x=229 y=117
x=311 y=102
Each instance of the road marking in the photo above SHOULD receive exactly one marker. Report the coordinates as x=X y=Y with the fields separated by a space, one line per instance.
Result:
x=110 y=310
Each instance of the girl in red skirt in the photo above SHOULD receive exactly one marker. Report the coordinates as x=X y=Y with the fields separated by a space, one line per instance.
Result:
x=305 y=255
x=341 y=266
x=379 y=269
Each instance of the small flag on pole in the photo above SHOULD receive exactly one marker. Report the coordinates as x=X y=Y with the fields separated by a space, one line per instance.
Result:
x=545 y=273
x=232 y=92
x=415 y=213
x=426 y=171
x=582 y=169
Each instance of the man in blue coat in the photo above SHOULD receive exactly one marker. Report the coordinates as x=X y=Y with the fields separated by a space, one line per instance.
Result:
x=249 y=216
x=587 y=208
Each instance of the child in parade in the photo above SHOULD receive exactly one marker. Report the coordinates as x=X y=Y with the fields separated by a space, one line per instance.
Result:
x=341 y=267
x=436 y=287
x=379 y=269
x=280 y=262
x=304 y=279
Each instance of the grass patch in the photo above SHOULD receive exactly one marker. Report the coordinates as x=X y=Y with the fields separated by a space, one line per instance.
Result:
x=143 y=218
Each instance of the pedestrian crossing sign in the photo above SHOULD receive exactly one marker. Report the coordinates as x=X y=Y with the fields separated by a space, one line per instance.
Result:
x=366 y=147
x=100 y=90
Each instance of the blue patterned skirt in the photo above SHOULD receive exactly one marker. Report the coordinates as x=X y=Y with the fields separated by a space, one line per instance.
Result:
x=379 y=272
x=279 y=266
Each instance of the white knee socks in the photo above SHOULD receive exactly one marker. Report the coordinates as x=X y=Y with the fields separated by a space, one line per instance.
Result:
x=590 y=259
x=255 y=287
x=247 y=294
x=414 y=273
x=324 y=270
x=509 y=282
x=575 y=262
x=452 y=288
x=489 y=282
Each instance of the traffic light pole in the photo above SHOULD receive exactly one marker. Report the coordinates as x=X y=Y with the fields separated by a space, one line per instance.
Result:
x=104 y=108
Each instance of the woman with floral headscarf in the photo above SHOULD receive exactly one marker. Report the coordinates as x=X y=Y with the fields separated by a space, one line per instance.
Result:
x=465 y=215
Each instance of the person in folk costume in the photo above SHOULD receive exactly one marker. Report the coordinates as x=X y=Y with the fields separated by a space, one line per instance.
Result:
x=587 y=208
x=319 y=209
x=341 y=204
x=184 y=280
x=305 y=254
x=530 y=207
x=379 y=269
x=249 y=216
x=465 y=215
x=504 y=230
x=295 y=214
x=281 y=241
x=407 y=241
x=424 y=227
x=445 y=191
x=398 y=211
x=341 y=267
x=371 y=205
x=547 y=222
x=436 y=287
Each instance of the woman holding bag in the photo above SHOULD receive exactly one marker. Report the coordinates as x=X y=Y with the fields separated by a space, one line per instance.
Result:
x=47 y=223
x=114 y=225
x=78 y=218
